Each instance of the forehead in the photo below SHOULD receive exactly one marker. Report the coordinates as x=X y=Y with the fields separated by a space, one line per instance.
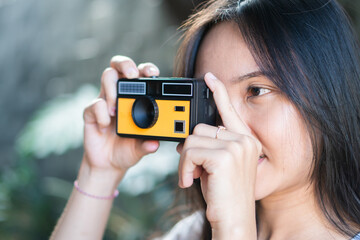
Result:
x=224 y=53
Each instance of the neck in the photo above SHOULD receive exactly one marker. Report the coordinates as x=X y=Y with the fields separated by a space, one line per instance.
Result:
x=292 y=214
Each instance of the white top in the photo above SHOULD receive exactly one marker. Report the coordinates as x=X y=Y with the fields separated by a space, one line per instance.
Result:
x=189 y=228
x=357 y=237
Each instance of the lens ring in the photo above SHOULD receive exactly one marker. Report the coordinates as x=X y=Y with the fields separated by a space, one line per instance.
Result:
x=145 y=112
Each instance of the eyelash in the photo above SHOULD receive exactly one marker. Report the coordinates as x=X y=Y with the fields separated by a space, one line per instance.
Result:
x=265 y=90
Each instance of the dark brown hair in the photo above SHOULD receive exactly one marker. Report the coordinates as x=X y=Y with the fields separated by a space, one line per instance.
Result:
x=309 y=50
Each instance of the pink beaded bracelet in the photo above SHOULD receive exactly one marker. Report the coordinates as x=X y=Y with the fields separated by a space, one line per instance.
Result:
x=76 y=185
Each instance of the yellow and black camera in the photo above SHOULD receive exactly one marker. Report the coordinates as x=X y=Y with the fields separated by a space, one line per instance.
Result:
x=162 y=108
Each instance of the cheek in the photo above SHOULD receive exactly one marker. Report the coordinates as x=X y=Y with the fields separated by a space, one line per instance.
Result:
x=281 y=130
x=285 y=140
x=294 y=148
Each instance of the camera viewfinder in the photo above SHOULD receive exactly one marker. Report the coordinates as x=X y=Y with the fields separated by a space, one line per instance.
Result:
x=179 y=126
x=179 y=109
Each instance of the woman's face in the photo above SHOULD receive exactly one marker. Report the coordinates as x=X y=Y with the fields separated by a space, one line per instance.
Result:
x=271 y=117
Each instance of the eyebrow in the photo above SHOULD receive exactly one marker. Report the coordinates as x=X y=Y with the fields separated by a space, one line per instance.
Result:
x=249 y=75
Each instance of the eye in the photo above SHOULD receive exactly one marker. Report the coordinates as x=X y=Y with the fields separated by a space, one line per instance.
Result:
x=257 y=91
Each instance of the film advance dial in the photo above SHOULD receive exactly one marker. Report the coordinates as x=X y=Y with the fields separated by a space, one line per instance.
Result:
x=145 y=112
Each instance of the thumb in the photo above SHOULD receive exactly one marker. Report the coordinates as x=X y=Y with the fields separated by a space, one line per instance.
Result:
x=145 y=147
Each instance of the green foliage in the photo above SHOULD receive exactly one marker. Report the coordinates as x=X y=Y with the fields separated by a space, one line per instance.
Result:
x=57 y=126
x=31 y=202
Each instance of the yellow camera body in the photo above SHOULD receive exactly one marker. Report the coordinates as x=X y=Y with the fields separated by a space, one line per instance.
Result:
x=162 y=108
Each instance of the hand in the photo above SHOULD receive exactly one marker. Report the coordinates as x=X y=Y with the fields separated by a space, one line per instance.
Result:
x=226 y=167
x=104 y=150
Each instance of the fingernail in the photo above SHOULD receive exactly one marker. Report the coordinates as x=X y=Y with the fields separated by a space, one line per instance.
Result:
x=113 y=112
x=131 y=73
x=210 y=81
x=152 y=146
x=152 y=71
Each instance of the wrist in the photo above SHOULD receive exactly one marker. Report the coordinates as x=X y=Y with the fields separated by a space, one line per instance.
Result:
x=233 y=230
x=100 y=182
x=238 y=223
x=219 y=233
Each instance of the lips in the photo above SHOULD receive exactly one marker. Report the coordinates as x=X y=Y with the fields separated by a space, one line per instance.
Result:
x=261 y=158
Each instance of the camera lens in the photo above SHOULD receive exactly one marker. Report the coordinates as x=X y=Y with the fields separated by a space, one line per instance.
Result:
x=145 y=112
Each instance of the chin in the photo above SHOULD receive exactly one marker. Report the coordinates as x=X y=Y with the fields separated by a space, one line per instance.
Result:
x=264 y=188
x=261 y=195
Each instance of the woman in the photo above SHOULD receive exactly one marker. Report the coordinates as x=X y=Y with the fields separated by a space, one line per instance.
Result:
x=285 y=77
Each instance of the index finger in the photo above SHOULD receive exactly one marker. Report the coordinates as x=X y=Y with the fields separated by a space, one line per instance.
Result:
x=229 y=116
x=107 y=92
x=125 y=66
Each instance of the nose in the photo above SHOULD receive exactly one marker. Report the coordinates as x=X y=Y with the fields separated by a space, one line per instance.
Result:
x=243 y=113
x=248 y=119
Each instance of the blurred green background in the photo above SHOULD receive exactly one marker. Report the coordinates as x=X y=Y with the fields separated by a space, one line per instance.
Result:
x=52 y=56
